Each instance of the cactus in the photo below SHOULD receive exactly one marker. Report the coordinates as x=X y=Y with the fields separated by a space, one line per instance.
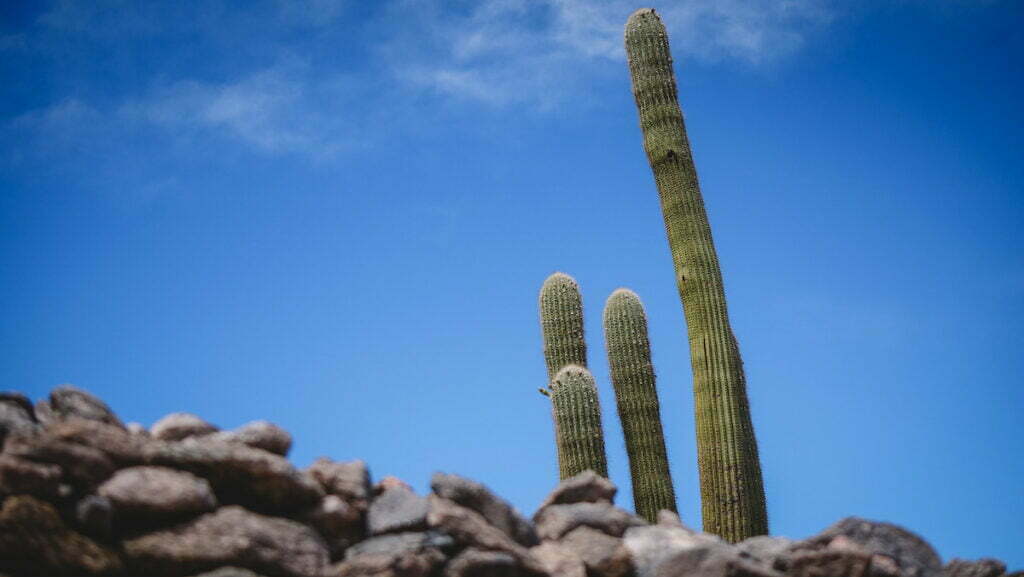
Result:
x=732 y=490
x=561 y=321
x=629 y=357
x=578 y=432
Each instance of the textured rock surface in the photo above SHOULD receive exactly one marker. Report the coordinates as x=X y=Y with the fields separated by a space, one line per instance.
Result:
x=260 y=435
x=157 y=492
x=480 y=563
x=396 y=510
x=559 y=560
x=231 y=536
x=556 y=520
x=479 y=498
x=586 y=487
x=67 y=401
x=912 y=556
x=470 y=529
x=603 y=555
x=178 y=426
x=349 y=480
x=16 y=414
x=979 y=568
x=19 y=475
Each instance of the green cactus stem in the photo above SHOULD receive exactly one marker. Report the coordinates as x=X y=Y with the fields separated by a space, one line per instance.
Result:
x=732 y=490
x=578 y=432
x=629 y=357
x=561 y=321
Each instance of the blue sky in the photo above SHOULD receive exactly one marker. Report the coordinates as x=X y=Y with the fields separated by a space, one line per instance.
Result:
x=336 y=215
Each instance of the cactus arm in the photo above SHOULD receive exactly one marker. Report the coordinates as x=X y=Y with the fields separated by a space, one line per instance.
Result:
x=561 y=319
x=577 y=415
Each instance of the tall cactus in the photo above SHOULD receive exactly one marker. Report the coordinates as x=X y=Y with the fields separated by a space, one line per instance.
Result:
x=561 y=321
x=629 y=357
x=732 y=490
x=577 y=413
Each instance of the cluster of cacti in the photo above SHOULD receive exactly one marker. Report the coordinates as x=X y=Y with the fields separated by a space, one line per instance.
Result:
x=732 y=491
x=577 y=412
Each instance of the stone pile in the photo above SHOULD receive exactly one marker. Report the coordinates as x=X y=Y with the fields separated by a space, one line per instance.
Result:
x=84 y=494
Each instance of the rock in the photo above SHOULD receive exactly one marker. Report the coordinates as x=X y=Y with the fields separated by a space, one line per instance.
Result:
x=389 y=482
x=156 y=494
x=420 y=564
x=119 y=445
x=83 y=466
x=240 y=474
x=396 y=510
x=586 y=487
x=349 y=480
x=44 y=413
x=657 y=550
x=479 y=498
x=554 y=521
x=67 y=401
x=231 y=536
x=603 y=555
x=913 y=557
x=480 y=563
x=178 y=426
x=259 y=434
x=19 y=475
x=771 y=552
x=339 y=523
x=558 y=560
x=402 y=543
x=668 y=518
x=16 y=415
x=95 y=515
x=842 y=563
x=979 y=568
x=469 y=528
x=35 y=541
x=228 y=572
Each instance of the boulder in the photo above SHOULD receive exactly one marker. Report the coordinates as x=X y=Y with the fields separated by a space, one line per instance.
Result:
x=397 y=510
x=348 y=480
x=178 y=426
x=155 y=494
x=603 y=555
x=979 y=568
x=231 y=536
x=259 y=434
x=665 y=551
x=340 y=524
x=81 y=465
x=35 y=541
x=19 y=475
x=772 y=552
x=559 y=560
x=554 y=521
x=479 y=498
x=16 y=415
x=119 y=445
x=470 y=529
x=67 y=401
x=425 y=563
x=480 y=563
x=586 y=487
x=911 y=555
x=95 y=516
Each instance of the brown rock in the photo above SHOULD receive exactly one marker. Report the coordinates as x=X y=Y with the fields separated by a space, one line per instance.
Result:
x=349 y=480
x=421 y=564
x=340 y=524
x=16 y=415
x=119 y=445
x=35 y=541
x=470 y=528
x=559 y=560
x=603 y=555
x=911 y=555
x=659 y=551
x=19 y=475
x=586 y=487
x=82 y=465
x=979 y=568
x=479 y=498
x=228 y=572
x=178 y=426
x=260 y=435
x=231 y=536
x=95 y=516
x=157 y=493
x=67 y=401
x=554 y=521
x=480 y=563
x=396 y=510
x=395 y=543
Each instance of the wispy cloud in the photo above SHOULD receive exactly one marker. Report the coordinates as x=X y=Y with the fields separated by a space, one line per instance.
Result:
x=516 y=51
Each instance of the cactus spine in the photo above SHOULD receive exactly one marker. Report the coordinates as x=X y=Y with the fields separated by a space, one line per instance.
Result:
x=629 y=357
x=578 y=431
x=732 y=490
x=561 y=320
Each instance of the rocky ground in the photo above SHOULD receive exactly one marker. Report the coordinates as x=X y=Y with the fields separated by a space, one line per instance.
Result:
x=84 y=494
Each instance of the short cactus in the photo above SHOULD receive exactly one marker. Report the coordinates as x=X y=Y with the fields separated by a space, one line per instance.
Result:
x=579 y=435
x=629 y=358
x=561 y=321
x=732 y=490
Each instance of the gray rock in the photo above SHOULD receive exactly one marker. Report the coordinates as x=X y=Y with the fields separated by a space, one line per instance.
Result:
x=95 y=515
x=425 y=563
x=44 y=413
x=656 y=549
x=912 y=555
x=846 y=562
x=603 y=555
x=668 y=518
x=768 y=551
x=234 y=537
x=157 y=493
x=228 y=572
x=339 y=523
x=119 y=445
x=35 y=541
x=554 y=521
x=469 y=528
x=397 y=510
x=979 y=568
x=83 y=466
x=240 y=474
x=134 y=428
x=349 y=480
x=68 y=401
x=480 y=563
x=178 y=426
x=586 y=487
x=19 y=475
x=558 y=560
x=16 y=415
x=259 y=434
x=479 y=498
x=402 y=543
